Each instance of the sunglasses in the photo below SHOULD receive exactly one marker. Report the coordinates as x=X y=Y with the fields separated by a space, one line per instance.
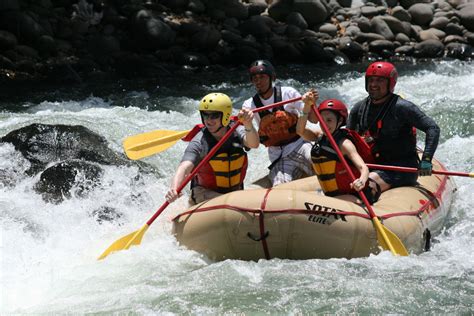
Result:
x=211 y=115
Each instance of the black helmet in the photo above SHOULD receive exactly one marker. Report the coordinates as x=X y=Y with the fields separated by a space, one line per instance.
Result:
x=262 y=66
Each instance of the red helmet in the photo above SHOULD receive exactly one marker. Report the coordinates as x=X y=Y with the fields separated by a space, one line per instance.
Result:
x=262 y=67
x=336 y=106
x=382 y=69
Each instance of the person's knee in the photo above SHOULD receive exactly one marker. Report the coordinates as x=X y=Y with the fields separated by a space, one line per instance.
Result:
x=384 y=186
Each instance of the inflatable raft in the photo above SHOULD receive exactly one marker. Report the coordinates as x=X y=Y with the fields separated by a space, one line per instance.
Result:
x=294 y=221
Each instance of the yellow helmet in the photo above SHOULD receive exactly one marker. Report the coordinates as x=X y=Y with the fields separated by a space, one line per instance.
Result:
x=218 y=102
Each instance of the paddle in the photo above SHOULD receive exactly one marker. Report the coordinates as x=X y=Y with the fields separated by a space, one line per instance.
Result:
x=135 y=237
x=146 y=144
x=414 y=170
x=386 y=238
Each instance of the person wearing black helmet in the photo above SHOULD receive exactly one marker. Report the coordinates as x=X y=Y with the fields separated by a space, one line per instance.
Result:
x=388 y=123
x=289 y=154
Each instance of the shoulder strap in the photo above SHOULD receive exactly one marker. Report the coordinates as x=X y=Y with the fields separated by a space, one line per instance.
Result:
x=196 y=129
x=276 y=98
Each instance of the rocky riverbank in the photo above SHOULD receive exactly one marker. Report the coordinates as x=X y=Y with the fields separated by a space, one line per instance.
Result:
x=70 y=41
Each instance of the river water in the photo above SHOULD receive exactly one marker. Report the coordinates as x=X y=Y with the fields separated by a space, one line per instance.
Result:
x=48 y=252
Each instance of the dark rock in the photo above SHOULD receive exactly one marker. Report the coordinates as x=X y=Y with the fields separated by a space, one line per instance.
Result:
x=369 y=11
x=406 y=50
x=402 y=38
x=345 y=3
x=256 y=7
x=67 y=178
x=460 y=51
x=379 y=26
x=328 y=28
x=368 y=37
x=193 y=60
x=432 y=34
x=400 y=13
x=46 y=45
x=295 y=18
x=353 y=50
x=279 y=9
x=378 y=46
x=152 y=33
x=429 y=49
x=22 y=25
x=259 y=26
x=6 y=5
x=466 y=13
x=352 y=30
x=454 y=29
x=470 y=38
x=313 y=51
x=206 y=39
x=408 y=3
x=313 y=11
x=41 y=144
x=231 y=38
x=454 y=39
x=421 y=13
x=363 y=23
x=6 y=63
x=439 y=23
x=397 y=26
x=7 y=40
x=196 y=6
x=292 y=31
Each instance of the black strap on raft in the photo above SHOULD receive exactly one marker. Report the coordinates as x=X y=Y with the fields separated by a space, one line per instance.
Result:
x=277 y=98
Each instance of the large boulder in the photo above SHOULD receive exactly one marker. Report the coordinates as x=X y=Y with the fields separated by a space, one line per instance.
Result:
x=68 y=159
x=42 y=144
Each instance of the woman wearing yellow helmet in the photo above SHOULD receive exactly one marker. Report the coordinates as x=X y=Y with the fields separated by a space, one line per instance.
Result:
x=225 y=171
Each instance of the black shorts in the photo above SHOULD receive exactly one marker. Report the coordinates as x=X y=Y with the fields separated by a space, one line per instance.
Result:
x=397 y=179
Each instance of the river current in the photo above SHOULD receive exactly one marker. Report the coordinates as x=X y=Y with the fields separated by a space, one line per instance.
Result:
x=48 y=252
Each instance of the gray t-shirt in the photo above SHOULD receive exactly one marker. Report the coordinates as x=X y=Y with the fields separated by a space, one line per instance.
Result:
x=199 y=147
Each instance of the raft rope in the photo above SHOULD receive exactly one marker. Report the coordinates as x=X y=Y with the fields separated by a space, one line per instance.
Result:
x=432 y=202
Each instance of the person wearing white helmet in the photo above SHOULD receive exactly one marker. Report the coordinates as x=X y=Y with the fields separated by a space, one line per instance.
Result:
x=225 y=171
x=289 y=154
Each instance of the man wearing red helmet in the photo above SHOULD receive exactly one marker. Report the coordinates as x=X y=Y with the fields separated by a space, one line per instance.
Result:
x=288 y=152
x=332 y=176
x=388 y=123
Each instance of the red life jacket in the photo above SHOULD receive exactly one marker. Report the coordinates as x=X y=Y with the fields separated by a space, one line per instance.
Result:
x=332 y=175
x=226 y=170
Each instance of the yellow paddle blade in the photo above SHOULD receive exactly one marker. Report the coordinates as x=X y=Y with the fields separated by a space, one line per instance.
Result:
x=388 y=240
x=125 y=242
x=147 y=144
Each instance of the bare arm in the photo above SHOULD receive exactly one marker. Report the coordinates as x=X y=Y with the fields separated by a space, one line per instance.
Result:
x=183 y=170
x=348 y=149
x=251 y=139
x=309 y=98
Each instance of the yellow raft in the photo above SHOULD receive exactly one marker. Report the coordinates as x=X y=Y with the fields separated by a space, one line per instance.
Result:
x=294 y=221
